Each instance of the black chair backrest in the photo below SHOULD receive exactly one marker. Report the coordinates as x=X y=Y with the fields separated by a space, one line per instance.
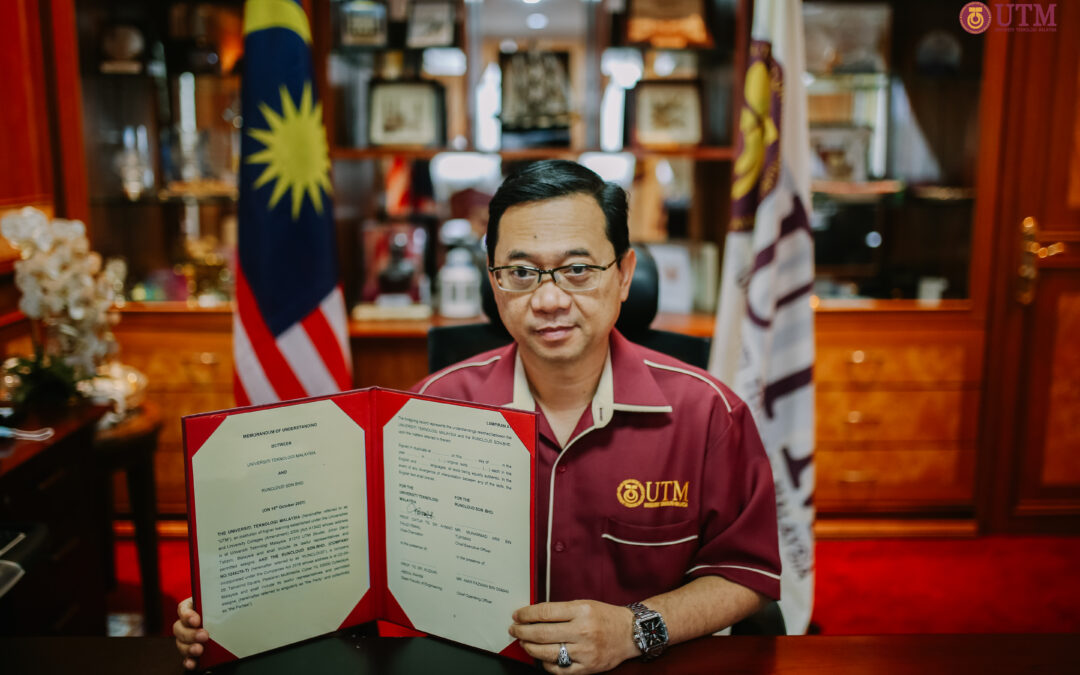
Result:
x=449 y=344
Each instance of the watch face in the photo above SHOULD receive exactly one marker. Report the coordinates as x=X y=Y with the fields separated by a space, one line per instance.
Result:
x=654 y=631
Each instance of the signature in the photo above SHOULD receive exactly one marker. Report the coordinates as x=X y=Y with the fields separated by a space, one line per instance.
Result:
x=416 y=510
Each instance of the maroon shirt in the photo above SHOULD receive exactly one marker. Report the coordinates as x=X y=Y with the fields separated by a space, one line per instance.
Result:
x=664 y=479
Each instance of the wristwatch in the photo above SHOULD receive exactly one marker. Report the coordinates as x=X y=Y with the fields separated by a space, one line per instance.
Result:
x=650 y=631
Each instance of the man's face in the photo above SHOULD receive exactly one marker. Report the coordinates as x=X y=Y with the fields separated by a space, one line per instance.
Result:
x=554 y=325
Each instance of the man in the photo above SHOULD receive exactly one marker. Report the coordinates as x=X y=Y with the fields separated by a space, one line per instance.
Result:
x=653 y=488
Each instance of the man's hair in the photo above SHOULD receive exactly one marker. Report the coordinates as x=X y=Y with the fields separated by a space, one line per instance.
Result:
x=553 y=178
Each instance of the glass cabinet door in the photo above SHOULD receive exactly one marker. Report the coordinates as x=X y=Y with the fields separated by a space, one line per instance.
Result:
x=161 y=99
x=893 y=100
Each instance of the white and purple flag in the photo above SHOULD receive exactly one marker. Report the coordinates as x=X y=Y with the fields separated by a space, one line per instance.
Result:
x=763 y=345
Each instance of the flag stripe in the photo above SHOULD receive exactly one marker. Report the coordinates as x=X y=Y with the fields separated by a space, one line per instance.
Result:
x=249 y=375
x=240 y=394
x=786 y=385
x=322 y=338
x=276 y=368
x=304 y=360
x=333 y=308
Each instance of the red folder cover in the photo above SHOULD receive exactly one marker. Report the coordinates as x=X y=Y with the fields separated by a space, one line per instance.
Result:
x=272 y=494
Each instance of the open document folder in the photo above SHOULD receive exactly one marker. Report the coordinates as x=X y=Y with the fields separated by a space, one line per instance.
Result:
x=310 y=516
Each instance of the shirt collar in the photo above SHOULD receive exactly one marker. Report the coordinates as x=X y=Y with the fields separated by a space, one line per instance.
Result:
x=636 y=388
x=624 y=367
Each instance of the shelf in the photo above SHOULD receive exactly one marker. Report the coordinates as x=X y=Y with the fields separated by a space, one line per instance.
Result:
x=857 y=191
x=844 y=82
x=165 y=197
x=702 y=153
x=942 y=193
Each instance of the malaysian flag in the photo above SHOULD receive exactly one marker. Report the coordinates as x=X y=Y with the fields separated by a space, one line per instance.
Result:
x=290 y=337
x=764 y=338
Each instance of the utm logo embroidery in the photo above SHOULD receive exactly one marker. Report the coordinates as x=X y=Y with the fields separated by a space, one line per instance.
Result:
x=653 y=494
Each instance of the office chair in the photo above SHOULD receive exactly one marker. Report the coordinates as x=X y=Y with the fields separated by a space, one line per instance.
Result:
x=449 y=344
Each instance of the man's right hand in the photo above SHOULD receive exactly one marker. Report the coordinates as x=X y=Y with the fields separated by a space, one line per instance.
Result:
x=189 y=634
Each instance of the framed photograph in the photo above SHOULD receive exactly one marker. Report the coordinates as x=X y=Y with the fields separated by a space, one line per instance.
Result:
x=666 y=114
x=673 y=64
x=676 y=293
x=406 y=114
x=431 y=24
x=362 y=24
x=839 y=153
x=668 y=24
x=535 y=99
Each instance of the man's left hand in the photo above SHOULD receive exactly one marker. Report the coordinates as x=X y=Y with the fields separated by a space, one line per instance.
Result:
x=598 y=636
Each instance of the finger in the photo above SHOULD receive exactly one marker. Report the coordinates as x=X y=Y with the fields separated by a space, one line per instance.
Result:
x=549 y=654
x=556 y=669
x=189 y=664
x=546 y=612
x=187 y=649
x=189 y=635
x=541 y=633
x=186 y=611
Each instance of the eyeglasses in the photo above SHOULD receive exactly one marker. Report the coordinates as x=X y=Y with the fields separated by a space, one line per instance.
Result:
x=571 y=278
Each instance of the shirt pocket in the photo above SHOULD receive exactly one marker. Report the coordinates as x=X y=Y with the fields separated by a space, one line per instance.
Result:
x=644 y=560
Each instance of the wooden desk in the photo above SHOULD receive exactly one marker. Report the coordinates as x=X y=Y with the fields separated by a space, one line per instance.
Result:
x=350 y=653
x=58 y=484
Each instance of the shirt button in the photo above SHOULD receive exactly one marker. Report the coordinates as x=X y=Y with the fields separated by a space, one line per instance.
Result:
x=560 y=547
x=562 y=469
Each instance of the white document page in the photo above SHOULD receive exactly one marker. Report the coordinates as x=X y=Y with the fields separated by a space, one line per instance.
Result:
x=281 y=521
x=457 y=521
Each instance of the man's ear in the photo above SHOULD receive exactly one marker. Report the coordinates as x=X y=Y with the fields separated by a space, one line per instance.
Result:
x=626 y=272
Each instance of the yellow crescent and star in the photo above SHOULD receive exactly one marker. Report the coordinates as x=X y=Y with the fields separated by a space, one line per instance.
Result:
x=295 y=153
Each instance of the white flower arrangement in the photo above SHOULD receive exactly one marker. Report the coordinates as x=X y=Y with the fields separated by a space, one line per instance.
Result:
x=65 y=290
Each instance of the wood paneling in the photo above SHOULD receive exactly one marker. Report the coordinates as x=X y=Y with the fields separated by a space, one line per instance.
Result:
x=398 y=363
x=882 y=415
x=870 y=358
x=894 y=476
x=1061 y=445
x=187 y=358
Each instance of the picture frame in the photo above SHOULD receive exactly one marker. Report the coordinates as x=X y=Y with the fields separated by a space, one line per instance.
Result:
x=668 y=24
x=536 y=99
x=675 y=269
x=406 y=114
x=431 y=24
x=362 y=23
x=666 y=114
x=840 y=153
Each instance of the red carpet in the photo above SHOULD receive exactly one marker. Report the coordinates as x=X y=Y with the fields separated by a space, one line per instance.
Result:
x=986 y=585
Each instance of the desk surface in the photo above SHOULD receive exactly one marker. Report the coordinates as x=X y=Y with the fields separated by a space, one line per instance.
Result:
x=348 y=652
x=65 y=422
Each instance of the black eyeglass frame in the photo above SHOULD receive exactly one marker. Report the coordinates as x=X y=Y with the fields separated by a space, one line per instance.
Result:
x=541 y=272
